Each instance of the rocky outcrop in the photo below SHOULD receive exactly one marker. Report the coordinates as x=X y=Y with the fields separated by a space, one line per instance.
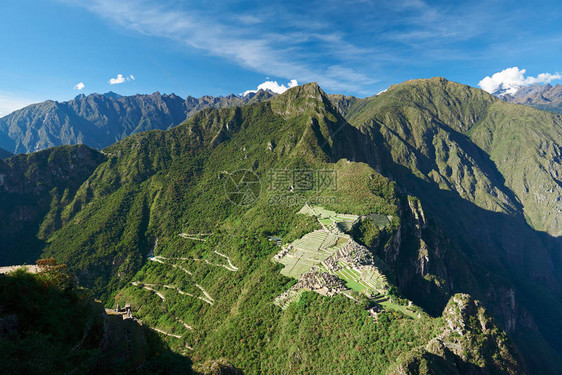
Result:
x=429 y=268
x=470 y=343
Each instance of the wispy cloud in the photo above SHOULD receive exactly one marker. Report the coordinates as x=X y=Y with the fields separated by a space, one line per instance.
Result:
x=276 y=53
x=79 y=86
x=120 y=79
x=345 y=45
x=10 y=102
x=509 y=80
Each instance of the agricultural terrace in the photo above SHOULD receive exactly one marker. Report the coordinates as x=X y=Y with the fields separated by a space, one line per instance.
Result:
x=309 y=251
x=313 y=249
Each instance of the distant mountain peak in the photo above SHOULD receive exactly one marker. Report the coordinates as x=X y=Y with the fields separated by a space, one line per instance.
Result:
x=260 y=92
x=289 y=103
x=112 y=95
x=42 y=125
x=505 y=90
x=541 y=96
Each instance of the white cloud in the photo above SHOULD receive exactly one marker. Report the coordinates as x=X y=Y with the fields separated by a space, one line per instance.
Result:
x=120 y=79
x=10 y=103
x=115 y=81
x=79 y=86
x=273 y=86
x=509 y=80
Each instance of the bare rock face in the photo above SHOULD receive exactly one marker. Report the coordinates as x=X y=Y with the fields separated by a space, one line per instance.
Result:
x=471 y=334
x=545 y=97
x=99 y=120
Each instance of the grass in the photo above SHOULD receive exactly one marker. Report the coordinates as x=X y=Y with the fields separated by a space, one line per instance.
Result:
x=402 y=309
x=380 y=221
x=350 y=281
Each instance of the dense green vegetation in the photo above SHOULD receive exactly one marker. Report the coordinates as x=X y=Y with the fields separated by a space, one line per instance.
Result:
x=219 y=280
x=34 y=189
x=40 y=338
x=49 y=326
x=486 y=172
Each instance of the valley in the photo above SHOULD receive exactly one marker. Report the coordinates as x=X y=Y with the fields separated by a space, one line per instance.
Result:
x=391 y=265
x=281 y=187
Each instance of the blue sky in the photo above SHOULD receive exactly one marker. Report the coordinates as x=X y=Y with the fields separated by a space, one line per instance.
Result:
x=354 y=47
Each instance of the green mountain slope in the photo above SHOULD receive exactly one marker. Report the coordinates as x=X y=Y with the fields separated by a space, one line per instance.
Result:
x=167 y=224
x=150 y=181
x=529 y=157
x=33 y=190
x=487 y=171
x=57 y=328
x=99 y=120
x=432 y=127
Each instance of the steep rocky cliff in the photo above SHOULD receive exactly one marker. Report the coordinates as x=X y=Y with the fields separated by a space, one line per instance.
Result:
x=99 y=120
x=470 y=343
x=33 y=189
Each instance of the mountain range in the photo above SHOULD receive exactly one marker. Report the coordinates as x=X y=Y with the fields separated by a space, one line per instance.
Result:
x=98 y=120
x=435 y=248
x=545 y=97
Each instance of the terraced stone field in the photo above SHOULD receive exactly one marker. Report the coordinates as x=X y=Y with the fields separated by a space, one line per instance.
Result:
x=365 y=280
x=311 y=250
x=317 y=251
